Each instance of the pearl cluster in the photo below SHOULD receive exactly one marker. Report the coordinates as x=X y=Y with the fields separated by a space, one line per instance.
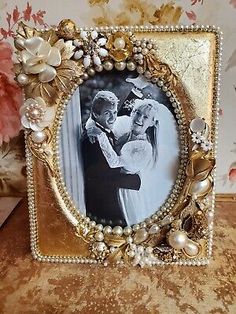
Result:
x=108 y=65
x=34 y=113
x=199 y=130
x=141 y=49
x=179 y=240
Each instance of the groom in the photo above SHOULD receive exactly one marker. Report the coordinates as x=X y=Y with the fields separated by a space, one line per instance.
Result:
x=102 y=182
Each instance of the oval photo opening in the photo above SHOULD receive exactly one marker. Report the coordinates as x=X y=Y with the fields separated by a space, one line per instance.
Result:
x=119 y=148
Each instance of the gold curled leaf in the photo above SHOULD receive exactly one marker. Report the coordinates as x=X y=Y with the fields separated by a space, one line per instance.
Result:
x=160 y=70
x=50 y=36
x=44 y=90
x=66 y=48
x=25 y=31
x=114 y=240
x=66 y=73
x=199 y=167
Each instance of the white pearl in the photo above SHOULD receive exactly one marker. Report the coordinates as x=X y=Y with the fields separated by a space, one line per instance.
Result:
x=91 y=72
x=108 y=65
x=34 y=113
x=100 y=246
x=119 y=43
x=22 y=79
x=107 y=229
x=177 y=239
x=120 y=66
x=191 y=248
x=127 y=230
x=99 y=68
x=117 y=230
x=99 y=236
x=131 y=66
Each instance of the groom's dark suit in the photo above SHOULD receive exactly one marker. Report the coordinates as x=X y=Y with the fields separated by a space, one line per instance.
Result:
x=102 y=184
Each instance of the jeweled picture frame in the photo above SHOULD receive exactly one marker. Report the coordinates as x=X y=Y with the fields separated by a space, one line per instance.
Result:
x=121 y=137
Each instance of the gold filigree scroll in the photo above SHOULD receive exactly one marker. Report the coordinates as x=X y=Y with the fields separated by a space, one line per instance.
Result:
x=42 y=151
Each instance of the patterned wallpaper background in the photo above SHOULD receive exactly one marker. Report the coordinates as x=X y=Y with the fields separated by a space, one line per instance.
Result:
x=113 y=12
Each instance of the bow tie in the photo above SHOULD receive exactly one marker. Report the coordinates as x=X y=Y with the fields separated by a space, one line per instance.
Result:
x=109 y=134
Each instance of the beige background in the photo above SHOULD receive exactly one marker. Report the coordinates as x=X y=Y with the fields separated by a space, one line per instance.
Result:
x=103 y=12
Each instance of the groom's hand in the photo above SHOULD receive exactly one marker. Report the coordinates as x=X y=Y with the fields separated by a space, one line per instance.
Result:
x=92 y=133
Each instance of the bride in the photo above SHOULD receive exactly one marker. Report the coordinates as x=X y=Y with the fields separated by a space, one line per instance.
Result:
x=137 y=152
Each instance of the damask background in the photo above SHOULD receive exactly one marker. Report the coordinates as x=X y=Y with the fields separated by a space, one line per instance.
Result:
x=113 y=12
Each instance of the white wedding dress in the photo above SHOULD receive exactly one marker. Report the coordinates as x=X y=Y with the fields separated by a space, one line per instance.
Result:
x=135 y=158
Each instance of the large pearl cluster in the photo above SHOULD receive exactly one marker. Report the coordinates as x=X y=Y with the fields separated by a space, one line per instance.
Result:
x=142 y=48
x=179 y=240
x=34 y=113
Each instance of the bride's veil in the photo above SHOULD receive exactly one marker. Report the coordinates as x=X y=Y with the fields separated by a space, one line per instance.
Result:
x=162 y=175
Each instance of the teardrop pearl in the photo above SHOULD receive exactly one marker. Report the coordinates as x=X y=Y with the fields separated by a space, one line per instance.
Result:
x=201 y=187
x=177 y=239
x=191 y=248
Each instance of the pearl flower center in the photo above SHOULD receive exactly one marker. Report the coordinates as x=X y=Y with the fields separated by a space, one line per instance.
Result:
x=34 y=113
x=119 y=43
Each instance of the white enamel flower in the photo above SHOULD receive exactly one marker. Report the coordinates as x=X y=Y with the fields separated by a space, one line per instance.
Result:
x=90 y=47
x=39 y=57
x=206 y=145
x=36 y=115
x=197 y=138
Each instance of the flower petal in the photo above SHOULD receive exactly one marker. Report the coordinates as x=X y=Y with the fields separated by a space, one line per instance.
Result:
x=96 y=60
x=36 y=127
x=49 y=114
x=103 y=52
x=33 y=44
x=41 y=102
x=87 y=61
x=25 y=55
x=35 y=69
x=83 y=35
x=94 y=34
x=78 y=54
x=54 y=57
x=25 y=122
x=48 y=74
x=44 y=50
x=101 y=41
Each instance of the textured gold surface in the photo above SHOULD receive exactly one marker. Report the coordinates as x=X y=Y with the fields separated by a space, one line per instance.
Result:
x=191 y=57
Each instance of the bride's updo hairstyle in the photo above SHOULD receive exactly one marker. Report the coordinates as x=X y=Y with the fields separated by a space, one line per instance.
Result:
x=101 y=99
x=152 y=130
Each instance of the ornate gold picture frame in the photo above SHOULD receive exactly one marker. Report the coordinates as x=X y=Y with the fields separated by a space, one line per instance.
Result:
x=121 y=138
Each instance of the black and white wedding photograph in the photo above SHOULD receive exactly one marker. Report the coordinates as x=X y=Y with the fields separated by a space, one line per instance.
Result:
x=119 y=148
